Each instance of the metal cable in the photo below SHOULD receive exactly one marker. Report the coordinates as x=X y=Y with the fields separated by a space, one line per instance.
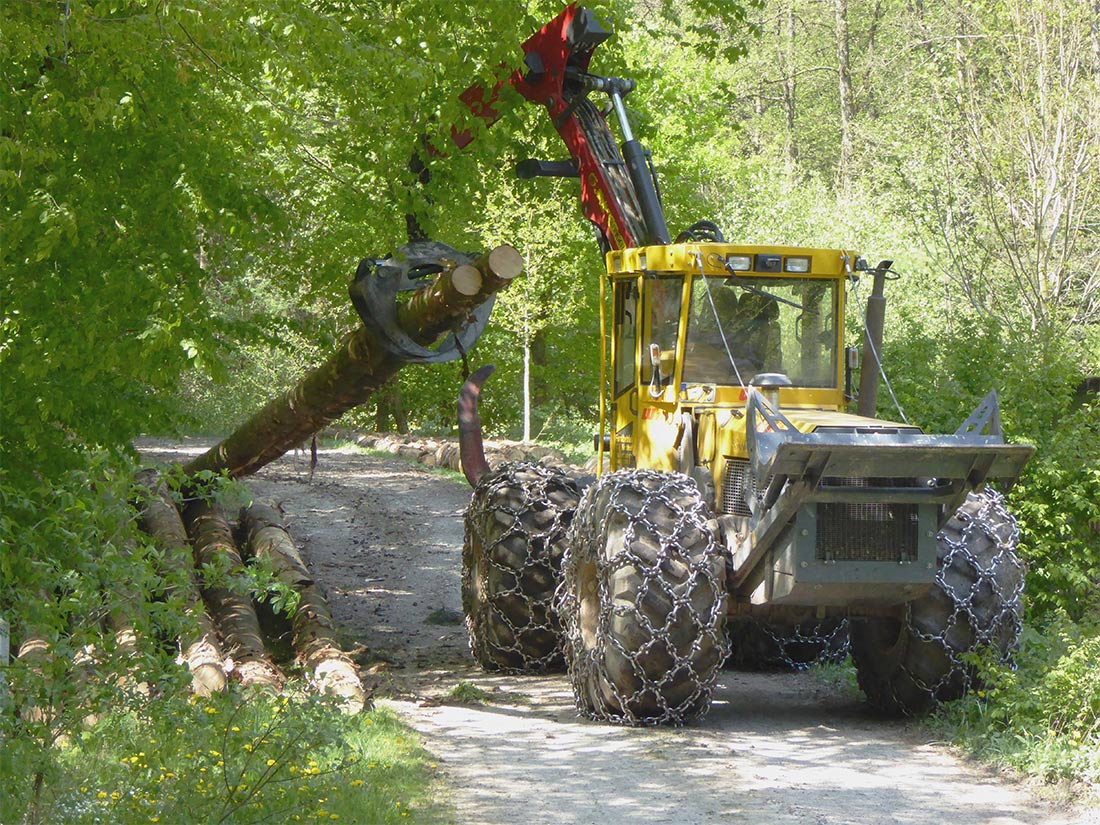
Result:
x=718 y=321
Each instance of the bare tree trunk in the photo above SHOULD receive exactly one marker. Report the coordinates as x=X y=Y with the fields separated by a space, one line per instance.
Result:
x=526 y=391
x=233 y=612
x=790 y=146
x=359 y=366
x=847 y=104
x=391 y=406
x=159 y=517
x=314 y=631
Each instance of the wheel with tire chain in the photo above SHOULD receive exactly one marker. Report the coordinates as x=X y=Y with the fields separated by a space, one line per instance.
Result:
x=909 y=666
x=515 y=531
x=643 y=600
x=760 y=645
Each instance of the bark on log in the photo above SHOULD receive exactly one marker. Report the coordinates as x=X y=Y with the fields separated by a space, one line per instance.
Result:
x=233 y=613
x=159 y=517
x=360 y=365
x=36 y=653
x=314 y=632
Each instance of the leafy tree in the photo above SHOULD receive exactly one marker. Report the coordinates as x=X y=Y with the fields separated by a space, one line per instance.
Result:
x=1012 y=189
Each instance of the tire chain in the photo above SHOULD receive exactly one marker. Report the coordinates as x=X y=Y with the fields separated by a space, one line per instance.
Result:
x=648 y=522
x=986 y=597
x=975 y=604
x=516 y=525
x=758 y=644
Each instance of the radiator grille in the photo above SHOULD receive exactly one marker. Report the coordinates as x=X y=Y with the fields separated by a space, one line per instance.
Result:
x=867 y=531
x=737 y=487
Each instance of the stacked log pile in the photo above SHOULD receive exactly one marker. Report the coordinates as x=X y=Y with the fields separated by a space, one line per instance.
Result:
x=229 y=643
x=443 y=452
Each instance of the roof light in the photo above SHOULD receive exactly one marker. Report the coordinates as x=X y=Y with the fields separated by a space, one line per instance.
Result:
x=739 y=263
x=799 y=264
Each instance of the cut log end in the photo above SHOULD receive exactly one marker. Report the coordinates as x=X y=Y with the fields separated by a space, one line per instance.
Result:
x=505 y=262
x=259 y=673
x=339 y=678
x=466 y=280
x=207 y=679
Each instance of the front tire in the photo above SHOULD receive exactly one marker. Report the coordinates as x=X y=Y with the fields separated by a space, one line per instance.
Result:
x=907 y=667
x=516 y=525
x=643 y=600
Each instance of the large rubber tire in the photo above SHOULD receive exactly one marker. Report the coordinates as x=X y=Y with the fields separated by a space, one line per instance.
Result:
x=516 y=525
x=643 y=600
x=758 y=645
x=907 y=667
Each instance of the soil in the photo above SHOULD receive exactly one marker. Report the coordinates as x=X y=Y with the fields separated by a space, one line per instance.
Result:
x=383 y=536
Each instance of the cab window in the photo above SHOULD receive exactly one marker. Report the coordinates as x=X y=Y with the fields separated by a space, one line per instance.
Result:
x=663 y=298
x=741 y=326
x=626 y=334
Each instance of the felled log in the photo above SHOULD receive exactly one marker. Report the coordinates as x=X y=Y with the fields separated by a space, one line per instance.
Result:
x=314 y=632
x=159 y=517
x=36 y=653
x=360 y=365
x=233 y=613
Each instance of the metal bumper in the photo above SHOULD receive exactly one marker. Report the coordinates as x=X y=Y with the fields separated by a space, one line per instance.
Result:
x=889 y=492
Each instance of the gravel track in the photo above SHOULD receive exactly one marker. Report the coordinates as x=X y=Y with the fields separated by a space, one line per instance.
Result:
x=384 y=536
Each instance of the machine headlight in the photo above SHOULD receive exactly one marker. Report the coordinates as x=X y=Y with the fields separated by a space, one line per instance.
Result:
x=799 y=264
x=739 y=263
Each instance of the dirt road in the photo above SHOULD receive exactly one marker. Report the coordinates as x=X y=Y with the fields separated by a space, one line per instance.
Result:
x=384 y=538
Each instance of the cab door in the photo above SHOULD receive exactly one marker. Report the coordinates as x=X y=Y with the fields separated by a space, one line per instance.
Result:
x=624 y=371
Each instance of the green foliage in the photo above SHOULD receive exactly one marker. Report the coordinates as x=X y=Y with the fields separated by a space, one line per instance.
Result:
x=840 y=676
x=231 y=760
x=941 y=366
x=266 y=588
x=1043 y=717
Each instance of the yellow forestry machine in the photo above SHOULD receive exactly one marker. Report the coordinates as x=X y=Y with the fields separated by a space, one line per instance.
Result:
x=743 y=499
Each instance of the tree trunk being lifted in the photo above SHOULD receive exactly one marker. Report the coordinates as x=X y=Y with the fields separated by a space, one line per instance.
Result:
x=360 y=365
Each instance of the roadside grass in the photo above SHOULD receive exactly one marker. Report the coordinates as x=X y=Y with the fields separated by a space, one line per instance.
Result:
x=1042 y=718
x=229 y=759
x=467 y=693
x=840 y=676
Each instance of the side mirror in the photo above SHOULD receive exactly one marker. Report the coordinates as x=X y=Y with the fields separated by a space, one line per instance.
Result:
x=851 y=364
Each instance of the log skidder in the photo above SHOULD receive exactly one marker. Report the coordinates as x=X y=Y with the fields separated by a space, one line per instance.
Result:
x=729 y=373
x=516 y=525
x=909 y=665
x=643 y=600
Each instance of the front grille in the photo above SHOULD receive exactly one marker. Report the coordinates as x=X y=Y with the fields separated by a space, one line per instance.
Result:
x=737 y=487
x=866 y=531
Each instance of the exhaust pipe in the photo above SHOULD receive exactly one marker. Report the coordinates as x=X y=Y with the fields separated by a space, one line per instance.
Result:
x=471 y=447
x=872 y=342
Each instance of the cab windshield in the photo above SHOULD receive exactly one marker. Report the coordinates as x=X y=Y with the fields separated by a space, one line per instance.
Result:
x=738 y=327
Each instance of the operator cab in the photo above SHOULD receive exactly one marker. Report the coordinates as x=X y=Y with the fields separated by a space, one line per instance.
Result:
x=696 y=323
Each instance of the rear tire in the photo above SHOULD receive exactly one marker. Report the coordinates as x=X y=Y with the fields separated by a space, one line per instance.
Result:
x=516 y=526
x=643 y=600
x=909 y=666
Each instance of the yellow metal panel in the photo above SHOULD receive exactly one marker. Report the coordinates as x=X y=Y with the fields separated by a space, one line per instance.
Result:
x=655 y=438
x=685 y=257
